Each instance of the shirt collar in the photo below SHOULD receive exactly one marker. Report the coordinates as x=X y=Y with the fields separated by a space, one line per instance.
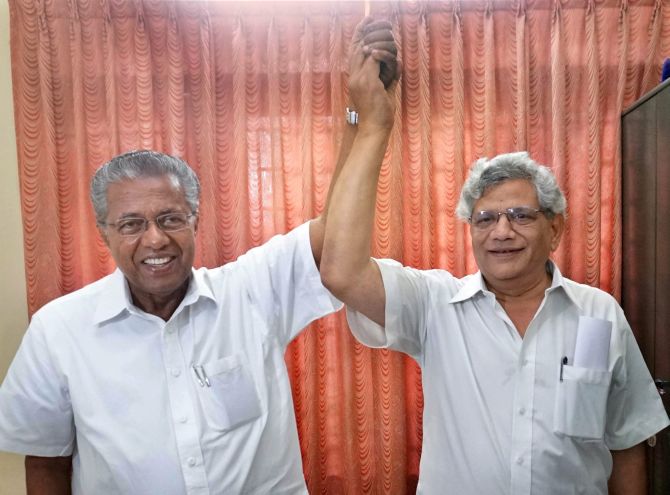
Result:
x=474 y=284
x=115 y=295
x=559 y=283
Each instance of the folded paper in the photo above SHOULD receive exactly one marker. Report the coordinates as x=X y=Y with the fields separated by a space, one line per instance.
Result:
x=593 y=343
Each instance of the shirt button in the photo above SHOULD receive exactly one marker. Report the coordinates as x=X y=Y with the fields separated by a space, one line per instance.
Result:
x=176 y=372
x=524 y=362
x=522 y=411
x=191 y=461
x=183 y=419
x=519 y=460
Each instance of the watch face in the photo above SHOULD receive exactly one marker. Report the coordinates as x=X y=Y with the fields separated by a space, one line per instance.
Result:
x=351 y=116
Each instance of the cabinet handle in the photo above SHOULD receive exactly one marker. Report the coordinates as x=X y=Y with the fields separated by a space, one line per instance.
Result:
x=662 y=385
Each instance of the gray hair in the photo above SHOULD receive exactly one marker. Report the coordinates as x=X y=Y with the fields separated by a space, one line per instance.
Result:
x=486 y=173
x=139 y=164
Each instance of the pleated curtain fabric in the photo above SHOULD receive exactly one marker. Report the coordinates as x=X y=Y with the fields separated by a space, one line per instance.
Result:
x=252 y=95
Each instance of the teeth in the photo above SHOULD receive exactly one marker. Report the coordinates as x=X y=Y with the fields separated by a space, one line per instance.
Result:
x=156 y=261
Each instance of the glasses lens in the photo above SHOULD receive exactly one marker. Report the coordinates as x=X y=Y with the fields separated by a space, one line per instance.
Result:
x=171 y=222
x=484 y=219
x=522 y=215
x=130 y=226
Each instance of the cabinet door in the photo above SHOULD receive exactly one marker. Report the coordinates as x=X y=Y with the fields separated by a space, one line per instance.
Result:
x=639 y=224
x=661 y=453
x=646 y=251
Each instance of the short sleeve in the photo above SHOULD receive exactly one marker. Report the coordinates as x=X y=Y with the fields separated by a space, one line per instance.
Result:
x=35 y=410
x=635 y=410
x=286 y=285
x=407 y=299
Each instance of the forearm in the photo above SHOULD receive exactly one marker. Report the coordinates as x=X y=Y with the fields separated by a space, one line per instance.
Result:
x=348 y=138
x=351 y=219
x=318 y=225
x=48 y=475
x=346 y=267
x=629 y=472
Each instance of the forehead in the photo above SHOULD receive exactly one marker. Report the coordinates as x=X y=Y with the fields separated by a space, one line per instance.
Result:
x=516 y=192
x=145 y=196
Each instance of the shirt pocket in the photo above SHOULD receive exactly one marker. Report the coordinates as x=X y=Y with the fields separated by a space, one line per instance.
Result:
x=228 y=394
x=581 y=402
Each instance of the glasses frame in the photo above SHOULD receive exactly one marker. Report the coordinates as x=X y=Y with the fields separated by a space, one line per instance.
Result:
x=147 y=221
x=508 y=212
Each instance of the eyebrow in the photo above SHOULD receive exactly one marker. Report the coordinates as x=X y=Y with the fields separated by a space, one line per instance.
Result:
x=139 y=215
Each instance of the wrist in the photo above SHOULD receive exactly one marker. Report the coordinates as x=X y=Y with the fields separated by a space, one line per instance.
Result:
x=353 y=119
x=373 y=131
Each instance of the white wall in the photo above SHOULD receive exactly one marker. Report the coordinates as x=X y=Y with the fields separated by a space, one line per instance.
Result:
x=13 y=307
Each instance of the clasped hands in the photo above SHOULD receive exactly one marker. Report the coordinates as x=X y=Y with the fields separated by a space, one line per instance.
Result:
x=374 y=71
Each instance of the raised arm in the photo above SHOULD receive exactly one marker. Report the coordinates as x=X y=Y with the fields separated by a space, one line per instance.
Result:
x=346 y=267
x=371 y=39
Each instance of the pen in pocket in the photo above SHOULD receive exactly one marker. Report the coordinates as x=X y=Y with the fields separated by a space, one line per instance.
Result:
x=200 y=375
x=564 y=361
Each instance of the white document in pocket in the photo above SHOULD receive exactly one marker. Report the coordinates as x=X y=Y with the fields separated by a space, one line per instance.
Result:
x=592 y=348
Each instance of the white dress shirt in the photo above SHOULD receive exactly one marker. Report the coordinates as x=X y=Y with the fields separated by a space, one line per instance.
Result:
x=497 y=418
x=116 y=387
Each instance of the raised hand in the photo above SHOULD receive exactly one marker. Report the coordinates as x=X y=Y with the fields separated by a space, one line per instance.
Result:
x=376 y=39
x=374 y=70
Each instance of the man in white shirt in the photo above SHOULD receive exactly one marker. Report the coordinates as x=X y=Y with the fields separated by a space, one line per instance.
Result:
x=533 y=384
x=162 y=379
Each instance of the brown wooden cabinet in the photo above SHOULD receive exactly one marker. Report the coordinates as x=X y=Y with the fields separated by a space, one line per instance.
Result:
x=646 y=249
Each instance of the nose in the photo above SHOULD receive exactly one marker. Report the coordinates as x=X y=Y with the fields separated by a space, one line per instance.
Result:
x=503 y=228
x=154 y=237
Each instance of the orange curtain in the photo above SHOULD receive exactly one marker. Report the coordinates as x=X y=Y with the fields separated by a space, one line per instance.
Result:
x=252 y=95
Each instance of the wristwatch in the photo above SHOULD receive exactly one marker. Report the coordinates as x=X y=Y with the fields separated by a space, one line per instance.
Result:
x=351 y=116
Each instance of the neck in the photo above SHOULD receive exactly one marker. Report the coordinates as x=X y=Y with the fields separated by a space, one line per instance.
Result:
x=528 y=289
x=162 y=306
x=521 y=301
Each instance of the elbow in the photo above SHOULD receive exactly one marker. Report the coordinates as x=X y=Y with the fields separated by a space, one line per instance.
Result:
x=335 y=279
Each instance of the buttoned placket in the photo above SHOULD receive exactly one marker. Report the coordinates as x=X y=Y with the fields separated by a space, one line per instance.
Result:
x=522 y=419
x=182 y=408
x=522 y=408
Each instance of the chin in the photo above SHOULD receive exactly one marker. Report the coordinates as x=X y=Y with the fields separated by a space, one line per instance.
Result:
x=501 y=275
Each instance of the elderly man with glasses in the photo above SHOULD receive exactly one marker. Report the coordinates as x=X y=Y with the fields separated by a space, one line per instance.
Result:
x=161 y=379
x=533 y=384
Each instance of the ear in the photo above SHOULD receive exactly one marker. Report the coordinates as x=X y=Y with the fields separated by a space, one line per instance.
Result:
x=195 y=223
x=557 y=227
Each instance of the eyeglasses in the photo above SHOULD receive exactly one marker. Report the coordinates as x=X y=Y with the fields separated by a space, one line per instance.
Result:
x=167 y=222
x=518 y=215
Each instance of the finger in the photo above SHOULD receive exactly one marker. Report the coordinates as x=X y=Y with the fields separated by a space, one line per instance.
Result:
x=371 y=68
x=361 y=29
x=387 y=58
x=375 y=25
x=387 y=74
x=379 y=36
x=381 y=46
x=389 y=71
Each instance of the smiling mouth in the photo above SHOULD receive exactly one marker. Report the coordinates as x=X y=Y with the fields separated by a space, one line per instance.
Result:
x=505 y=251
x=157 y=262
